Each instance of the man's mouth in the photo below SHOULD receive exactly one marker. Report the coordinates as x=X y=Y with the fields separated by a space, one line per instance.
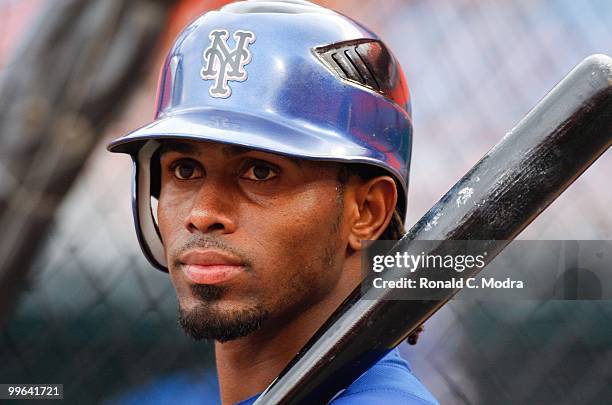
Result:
x=210 y=267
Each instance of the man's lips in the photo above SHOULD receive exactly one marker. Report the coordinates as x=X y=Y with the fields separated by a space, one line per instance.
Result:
x=210 y=267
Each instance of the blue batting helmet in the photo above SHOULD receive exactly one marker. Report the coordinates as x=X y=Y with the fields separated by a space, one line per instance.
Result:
x=287 y=77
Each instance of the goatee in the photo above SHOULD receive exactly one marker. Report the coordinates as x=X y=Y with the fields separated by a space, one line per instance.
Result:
x=206 y=322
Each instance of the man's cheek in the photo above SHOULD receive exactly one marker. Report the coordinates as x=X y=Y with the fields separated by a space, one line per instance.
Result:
x=164 y=223
x=295 y=248
x=170 y=224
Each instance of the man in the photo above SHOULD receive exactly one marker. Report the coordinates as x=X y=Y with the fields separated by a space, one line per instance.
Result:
x=282 y=140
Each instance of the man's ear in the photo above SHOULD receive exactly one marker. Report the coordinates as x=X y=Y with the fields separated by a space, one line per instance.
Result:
x=374 y=203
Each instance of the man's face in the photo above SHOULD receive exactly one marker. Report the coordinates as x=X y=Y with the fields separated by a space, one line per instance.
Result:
x=251 y=238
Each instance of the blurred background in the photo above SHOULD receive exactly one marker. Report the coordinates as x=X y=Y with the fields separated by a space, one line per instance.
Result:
x=79 y=305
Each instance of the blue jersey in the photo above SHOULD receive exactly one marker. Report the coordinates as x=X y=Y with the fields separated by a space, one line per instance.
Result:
x=390 y=382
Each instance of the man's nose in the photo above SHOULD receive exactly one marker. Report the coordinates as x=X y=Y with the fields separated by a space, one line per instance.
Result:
x=212 y=210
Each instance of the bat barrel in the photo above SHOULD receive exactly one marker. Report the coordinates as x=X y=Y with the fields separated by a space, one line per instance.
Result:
x=506 y=190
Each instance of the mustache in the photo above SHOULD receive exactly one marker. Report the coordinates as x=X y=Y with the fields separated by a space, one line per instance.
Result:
x=207 y=242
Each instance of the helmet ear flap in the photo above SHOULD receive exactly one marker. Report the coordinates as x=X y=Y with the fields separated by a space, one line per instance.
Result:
x=144 y=184
x=156 y=174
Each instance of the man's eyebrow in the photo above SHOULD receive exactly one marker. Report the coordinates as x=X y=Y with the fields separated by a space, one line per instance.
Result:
x=177 y=146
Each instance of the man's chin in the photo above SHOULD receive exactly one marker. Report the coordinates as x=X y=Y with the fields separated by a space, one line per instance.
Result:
x=206 y=321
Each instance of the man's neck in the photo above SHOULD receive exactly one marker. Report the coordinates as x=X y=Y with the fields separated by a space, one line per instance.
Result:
x=248 y=365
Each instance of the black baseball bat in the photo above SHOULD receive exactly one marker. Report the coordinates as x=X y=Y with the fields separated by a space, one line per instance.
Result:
x=513 y=183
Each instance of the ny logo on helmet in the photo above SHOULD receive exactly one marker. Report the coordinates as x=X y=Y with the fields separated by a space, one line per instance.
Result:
x=223 y=63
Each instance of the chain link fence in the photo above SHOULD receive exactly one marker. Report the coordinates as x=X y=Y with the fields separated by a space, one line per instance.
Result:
x=94 y=316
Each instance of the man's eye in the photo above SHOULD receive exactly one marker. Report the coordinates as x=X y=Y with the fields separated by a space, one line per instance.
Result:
x=260 y=172
x=186 y=171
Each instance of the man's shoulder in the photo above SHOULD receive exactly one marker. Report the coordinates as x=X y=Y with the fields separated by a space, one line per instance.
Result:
x=390 y=381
